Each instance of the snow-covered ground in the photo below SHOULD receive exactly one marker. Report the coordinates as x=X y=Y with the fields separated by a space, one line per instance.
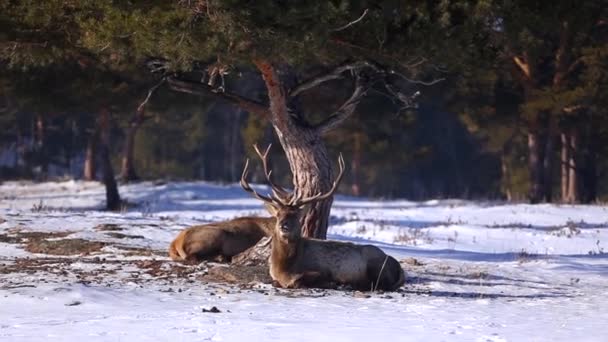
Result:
x=476 y=271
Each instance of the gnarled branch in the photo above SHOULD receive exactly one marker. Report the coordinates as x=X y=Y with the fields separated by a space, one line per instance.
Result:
x=200 y=89
x=344 y=112
x=334 y=74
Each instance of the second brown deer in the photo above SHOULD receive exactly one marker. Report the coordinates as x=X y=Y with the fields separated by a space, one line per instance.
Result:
x=219 y=241
x=296 y=261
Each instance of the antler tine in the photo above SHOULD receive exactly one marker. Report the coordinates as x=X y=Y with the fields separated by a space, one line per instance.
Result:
x=245 y=185
x=320 y=196
x=279 y=193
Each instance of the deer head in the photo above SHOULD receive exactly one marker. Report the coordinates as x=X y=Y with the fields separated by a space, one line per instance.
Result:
x=286 y=207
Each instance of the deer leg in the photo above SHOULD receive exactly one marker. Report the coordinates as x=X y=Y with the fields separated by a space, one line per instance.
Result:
x=308 y=279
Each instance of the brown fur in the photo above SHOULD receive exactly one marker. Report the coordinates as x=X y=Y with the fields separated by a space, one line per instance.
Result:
x=296 y=261
x=219 y=241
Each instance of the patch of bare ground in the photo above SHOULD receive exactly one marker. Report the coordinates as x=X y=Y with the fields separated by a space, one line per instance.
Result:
x=236 y=274
x=18 y=236
x=412 y=262
x=9 y=239
x=137 y=251
x=108 y=227
x=124 y=236
x=64 y=246
x=98 y=270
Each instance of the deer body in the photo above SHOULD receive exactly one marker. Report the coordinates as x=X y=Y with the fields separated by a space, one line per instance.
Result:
x=303 y=262
x=296 y=261
x=220 y=241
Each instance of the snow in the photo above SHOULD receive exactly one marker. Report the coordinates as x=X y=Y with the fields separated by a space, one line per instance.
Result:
x=476 y=271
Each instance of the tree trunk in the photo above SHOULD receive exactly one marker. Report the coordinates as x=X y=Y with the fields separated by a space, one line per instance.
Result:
x=40 y=131
x=565 y=176
x=127 y=171
x=42 y=158
x=506 y=171
x=90 y=161
x=589 y=181
x=573 y=168
x=548 y=165
x=312 y=173
x=113 y=201
x=235 y=142
x=306 y=154
x=355 y=165
x=535 y=165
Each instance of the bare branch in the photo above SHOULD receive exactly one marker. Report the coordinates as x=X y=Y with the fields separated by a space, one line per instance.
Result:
x=352 y=22
x=334 y=74
x=344 y=112
x=523 y=66
x=150 y=92
x=414 y=81
x=200 y=89
x=407 y=101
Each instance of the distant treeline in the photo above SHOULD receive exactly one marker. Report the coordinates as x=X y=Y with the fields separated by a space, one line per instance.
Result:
x=493 y=99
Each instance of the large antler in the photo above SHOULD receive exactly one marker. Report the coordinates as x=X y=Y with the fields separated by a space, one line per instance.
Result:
x=278 y=191
x=298 y=201
x=279 y=197
x=245 y=185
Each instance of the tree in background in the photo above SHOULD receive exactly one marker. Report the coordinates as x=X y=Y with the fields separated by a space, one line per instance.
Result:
x=40 y=51
x=304 y=70
x=536 y=56
x=545 y=47
x=371 y=45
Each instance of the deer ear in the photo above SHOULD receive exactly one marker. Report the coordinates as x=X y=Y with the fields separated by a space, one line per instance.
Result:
x=271 y=209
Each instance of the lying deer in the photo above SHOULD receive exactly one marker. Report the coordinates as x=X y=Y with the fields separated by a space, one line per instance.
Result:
x=220 y=241
x=296 y=261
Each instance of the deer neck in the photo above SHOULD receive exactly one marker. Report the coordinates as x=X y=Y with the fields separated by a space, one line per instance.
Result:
x=283 y=252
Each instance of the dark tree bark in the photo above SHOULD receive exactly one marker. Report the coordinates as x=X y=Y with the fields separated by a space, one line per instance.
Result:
x=40 y=131
x=548 y=165
x=573 y=179
x=356 y=165
x=305 y=151
x=113 y=201
x=90 y=157
x=564 y=159
x=127 y=170
x=535 y=165
x=506 y=170
x=590 y=172
x=127 y=173
x=42 y=158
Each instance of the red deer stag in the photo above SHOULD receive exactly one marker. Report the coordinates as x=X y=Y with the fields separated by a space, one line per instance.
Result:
x=296 y=261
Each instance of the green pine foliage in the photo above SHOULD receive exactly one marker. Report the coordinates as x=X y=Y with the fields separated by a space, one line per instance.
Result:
x=66 y=60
